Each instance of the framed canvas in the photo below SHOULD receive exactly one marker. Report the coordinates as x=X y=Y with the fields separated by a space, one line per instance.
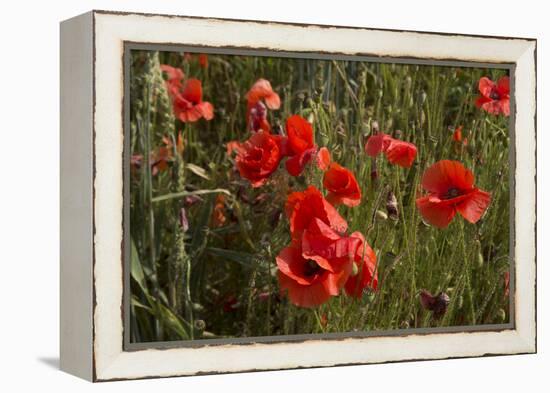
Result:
x=245 y=195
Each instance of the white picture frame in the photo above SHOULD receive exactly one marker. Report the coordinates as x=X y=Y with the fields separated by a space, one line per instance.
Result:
x=92 y=145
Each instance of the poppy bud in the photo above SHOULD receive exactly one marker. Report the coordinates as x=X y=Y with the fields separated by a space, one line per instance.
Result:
x=423 y=97
x=375 y=127
x=200 y=324
x=381 y=215
x=183 y=220
x=391 y=206
x=436 y=304
x=480 y=259
x=501 y=315
x=354 y=269
x=460 y=302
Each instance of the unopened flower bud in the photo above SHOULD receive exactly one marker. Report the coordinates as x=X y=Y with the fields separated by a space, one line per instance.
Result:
x=391 y=206
x=381 y=215
x=354 y=269
x=200 y=324
x=501 y=315
x=436 y=304
x=375 y=127
x=480 y=260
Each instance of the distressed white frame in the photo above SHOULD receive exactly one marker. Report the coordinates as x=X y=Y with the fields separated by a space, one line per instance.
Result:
x=109 y=360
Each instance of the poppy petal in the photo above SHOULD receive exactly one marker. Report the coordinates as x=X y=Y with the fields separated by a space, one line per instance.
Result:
x=505 y=106
x=289 y=261
x=262 y=90
x=175 y=75
x=335 y=281
x=401 y=153
x=365 y=259
x=300 y=134
x=273 y=101
x=322 y=244
x=304 y=295
x=302 y=207
x=193 y=91
x=435 y=213
x=503 y=86
x=295 y=164
x=445 y=174
x=486 y=86
x=323 y=158
x=206 y=110
x=481 y=100
x=473 y=208
x=376 y=144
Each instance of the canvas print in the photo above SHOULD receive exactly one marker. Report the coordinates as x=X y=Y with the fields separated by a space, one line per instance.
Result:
x=272 y=196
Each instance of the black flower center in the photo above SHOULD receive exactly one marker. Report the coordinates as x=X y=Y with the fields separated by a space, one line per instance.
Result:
x=452 y=192
x=494 y=95
x=311 y=268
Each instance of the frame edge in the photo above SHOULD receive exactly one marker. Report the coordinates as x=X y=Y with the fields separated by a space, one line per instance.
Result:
x=76 y=198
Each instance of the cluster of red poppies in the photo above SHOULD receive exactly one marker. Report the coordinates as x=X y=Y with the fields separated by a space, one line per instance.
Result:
x=322 y=259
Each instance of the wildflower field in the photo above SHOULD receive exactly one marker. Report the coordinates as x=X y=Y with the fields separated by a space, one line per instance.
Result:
x=277 y=196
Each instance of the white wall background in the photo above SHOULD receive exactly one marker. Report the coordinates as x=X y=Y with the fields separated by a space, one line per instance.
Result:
x=29 y=197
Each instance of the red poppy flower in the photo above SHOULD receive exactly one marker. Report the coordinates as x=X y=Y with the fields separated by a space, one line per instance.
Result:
x=307 y=283
x=342 y=186
x=203 y=60
x=401 y=153
x=323 y=158
x=258 y=157
x=188 y=104
x=494 y=97
x=300 y=143
x=302 y=207
x=186 y=99
x=457 y=136
x=397 y=152
x=451 y=189
x=159 y=158
x=261 y=90
x=364 y=273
